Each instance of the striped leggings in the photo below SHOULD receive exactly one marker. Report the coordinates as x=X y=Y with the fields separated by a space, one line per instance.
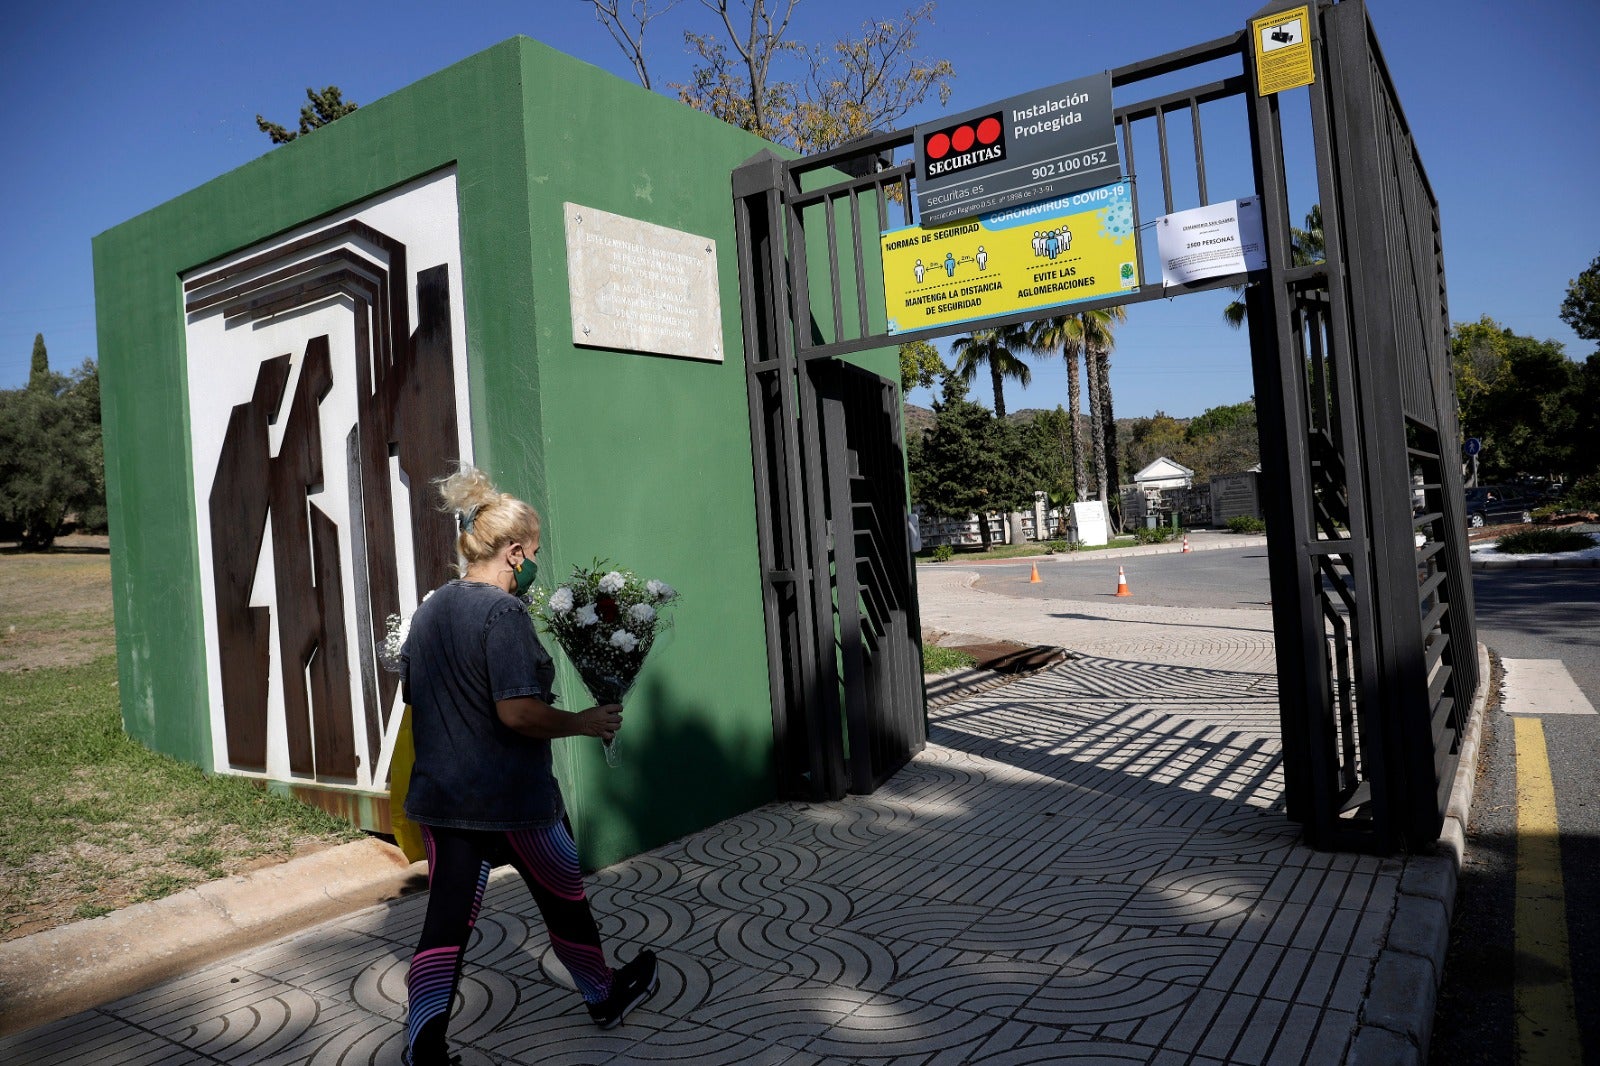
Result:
x=459 y=861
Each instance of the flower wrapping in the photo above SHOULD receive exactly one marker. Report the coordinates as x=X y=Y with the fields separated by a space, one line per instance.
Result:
x=606 y=620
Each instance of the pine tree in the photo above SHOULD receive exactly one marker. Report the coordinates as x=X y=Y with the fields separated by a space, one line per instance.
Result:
x=39 y=375
x=955 y=462
x=324 y=107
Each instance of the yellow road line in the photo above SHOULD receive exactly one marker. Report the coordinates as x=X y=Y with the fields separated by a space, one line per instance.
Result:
x=1547 y=1017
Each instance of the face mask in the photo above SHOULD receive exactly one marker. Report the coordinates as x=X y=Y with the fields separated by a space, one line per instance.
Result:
x=523 y=576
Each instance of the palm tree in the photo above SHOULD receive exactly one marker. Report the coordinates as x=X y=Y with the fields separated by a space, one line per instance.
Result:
x=1064 y=334
x=1305 y=248
x=996 y=349
x=1095 y=329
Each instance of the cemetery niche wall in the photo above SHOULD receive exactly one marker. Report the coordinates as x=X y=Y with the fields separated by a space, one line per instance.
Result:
x=291 y=352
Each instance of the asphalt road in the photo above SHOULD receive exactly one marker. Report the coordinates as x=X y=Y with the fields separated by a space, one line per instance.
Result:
x=1230 y=577
x=1522 y=614
x=1527 y=614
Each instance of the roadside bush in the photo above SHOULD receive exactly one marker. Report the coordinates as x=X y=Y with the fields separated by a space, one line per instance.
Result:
x=943 y=553
x=1158 y=535
x=1545 y=541
x=1055 y=547
x=1246 y=523
x=1584 y=495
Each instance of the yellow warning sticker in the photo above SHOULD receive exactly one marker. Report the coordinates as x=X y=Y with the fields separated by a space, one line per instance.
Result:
x=1283 y=50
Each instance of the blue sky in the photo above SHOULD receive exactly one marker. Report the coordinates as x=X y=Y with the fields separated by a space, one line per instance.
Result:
x=114 y=108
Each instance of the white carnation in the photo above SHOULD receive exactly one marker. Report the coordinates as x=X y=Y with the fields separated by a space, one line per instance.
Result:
x=660 y=590
x=561 y=600
x=612 y=583
x=642 y=613
x=624 y=640
x=587 y=615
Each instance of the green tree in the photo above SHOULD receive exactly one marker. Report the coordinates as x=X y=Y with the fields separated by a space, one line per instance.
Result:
x=1479 y=358
x=1063 y=335
x=957 y=463
x=1521 y=397
x=1048 y=444
x=323 y=108
x=1222 y=440
x=51 y=462
x=749 y=74
x=920 y=364
x=1152 y=438
x=39 y=374
x=1581 y=308
x=1017 y=471
x=996 y=350
x=1585 y=458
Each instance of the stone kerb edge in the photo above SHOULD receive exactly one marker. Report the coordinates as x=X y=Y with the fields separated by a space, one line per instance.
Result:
x=1396 y=1020
x=59 y=972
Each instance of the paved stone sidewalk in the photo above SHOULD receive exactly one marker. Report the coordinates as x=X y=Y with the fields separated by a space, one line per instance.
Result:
x=1090 y=864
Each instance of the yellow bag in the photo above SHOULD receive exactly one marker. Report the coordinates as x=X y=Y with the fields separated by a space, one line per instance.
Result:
x=406 y=833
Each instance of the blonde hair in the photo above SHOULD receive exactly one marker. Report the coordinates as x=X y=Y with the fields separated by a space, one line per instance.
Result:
x=486 y=518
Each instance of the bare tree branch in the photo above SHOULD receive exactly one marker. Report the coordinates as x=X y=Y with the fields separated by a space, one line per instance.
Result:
x=621 y=28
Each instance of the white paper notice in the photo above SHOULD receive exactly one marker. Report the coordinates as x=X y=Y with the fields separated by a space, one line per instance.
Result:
x=1210 y=241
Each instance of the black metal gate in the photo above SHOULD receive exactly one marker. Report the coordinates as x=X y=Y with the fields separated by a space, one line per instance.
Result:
x=1372 y=604
x=874 y=591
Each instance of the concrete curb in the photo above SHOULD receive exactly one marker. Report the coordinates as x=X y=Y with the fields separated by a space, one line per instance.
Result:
x=1396 y=1021
x=71 y=968
x=1233 y=540
x=1555 y=563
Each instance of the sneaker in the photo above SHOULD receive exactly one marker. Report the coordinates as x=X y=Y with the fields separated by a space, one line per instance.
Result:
x=407 y=1060
x=632 y=985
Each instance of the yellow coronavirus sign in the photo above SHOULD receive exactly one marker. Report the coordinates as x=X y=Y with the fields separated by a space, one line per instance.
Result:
x=1078 y=247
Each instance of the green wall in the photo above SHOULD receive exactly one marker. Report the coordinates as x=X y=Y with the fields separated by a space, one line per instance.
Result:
x=646 y=458
x=641 y=459
x=464 y=115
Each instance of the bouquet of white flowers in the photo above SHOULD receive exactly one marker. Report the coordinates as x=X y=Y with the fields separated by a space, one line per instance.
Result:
x=396 y=629
x=606 y=621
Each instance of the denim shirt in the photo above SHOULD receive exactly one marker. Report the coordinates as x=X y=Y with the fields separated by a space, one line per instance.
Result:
x=469 y=645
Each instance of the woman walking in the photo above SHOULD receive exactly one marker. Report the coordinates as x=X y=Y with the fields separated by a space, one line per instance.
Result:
x=482 y=791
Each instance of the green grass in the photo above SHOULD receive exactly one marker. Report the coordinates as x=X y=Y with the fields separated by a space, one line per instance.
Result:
x=936 y=660
x=90 y=818
x=1543 y=541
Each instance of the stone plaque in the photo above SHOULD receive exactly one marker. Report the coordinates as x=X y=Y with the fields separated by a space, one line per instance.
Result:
x=639 y=287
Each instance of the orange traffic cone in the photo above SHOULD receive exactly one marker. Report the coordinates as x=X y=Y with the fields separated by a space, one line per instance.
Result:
x=1186 y=542
x=1122 y=583
x=1034 y=579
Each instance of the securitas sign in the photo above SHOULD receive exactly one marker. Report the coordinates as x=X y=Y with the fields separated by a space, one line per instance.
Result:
x=1036 y=146
x=965 y=145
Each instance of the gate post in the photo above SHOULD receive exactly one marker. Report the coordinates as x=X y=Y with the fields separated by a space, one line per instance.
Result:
x=807 y=732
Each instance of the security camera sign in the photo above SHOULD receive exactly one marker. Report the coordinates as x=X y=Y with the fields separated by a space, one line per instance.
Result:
x=1036 y=146
x=1283 y=51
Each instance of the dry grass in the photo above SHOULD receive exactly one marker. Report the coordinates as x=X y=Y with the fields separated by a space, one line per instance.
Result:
x=89 y=820
x=55 y=607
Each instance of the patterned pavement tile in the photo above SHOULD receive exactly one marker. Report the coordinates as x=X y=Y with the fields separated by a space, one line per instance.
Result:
x=972 y=981
x=900 y=1030
x=92 y=1037
x=1090 y=864
x=704 y=1045
x=780 y=1009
